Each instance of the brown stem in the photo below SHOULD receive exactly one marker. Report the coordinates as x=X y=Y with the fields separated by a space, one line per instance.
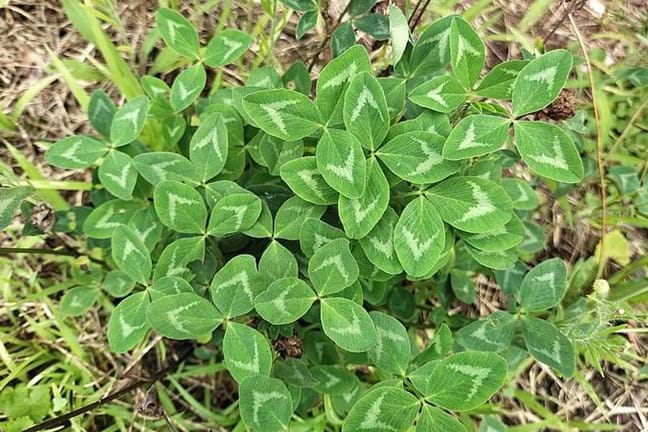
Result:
x=63 y=419
x=328 y=37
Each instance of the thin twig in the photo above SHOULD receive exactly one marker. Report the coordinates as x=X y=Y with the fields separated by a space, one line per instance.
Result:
x=573 y=8
x=634 y=118
x=44 y=251
x=329 y=34
x=420 y=15
x=63 y=419
x=599 y=147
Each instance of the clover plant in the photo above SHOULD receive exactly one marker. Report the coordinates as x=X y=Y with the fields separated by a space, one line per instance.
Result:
x=268 y=211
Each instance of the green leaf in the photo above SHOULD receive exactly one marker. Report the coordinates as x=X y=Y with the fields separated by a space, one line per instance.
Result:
x=286 y=114
x=262 y=228
x=78 y=300
x=75 y=152
x=432 y=51
x=131 y=254
x=235 y=286
x=333 y=380
x=314 y=234
x=535 y=238
x=544 y=286
x=128 y=121
x=540 y=81
x=306 y=23
x=285 y=301
x=500 y=239
x=378 y=244
x=341 y=162
x=118 y=174
x=467 y=52
x=103 y=220
x=180 y=207
x=365 y=110
x=438 y=347
x=294 y=371
x=277 y=262
x=493 y=333
x=156 y=167
x=347 y=324
x=392 y=350
x=178 y=32
x=177 y=255
x=548 y=345
x=10 y=200
x=359 y=216
x=498 y=84
x=118 y=284
x=417 y=157
x=332 y=268
x=169 y=285
x=173 y=129
x=626 y=178
x=187 y=87
x=333 y=79
x=383 y=409
x=183 y=316
x=374 y=24
x=128 y=325
x=522 y=194
x=399 y=32
x=155 y=88
x=360 y=7
x=476 y=135
x=234 y=213
x=500 y=260
x=462 y=286
x=471 y=204
x=246 y=351
x=292 y=214
x=101 y=110
x=305 y=180
x=419 y=237
x=394 y=89
x=432 y=419
x=343 y=38
x=465 y=380
x=265 y=404
x=548 y=151
x=443 y=94
x=227 y=46
x=301 y=5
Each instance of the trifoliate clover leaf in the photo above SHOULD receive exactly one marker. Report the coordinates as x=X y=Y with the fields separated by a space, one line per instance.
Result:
x=187 y=87
x=131 y=254
x=347 y=324
x=315 y=233
x=75 y=152
x=234 y=213
x=177 y=32
x=493 y=333
x=443 y=94
x=235 y=286
x=476 y=135
x=169 y=285
x=332 y=267
x=548 y=345
x=227 y=46
x=467 y=52
x=247 y=352
x=78 y=300
x=104 y=219
x=306 y=181
x=285 y=301
x=118 y=174
x=498 y=83
x=265 y=404
x=156 y=167
x=392 y=350
x=522 y=195
x=183 y=316
x=128 y=121
x=340 y=160
x=544 y=286
x=383 y=409
x=378 y=244
x=180 y=207
x=208 y=147
x=292 y=214
x=128 y=325
x=365 y=110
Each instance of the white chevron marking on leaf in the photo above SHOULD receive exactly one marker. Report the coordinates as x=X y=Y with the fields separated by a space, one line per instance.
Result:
x=557 y=161
x=385 y=334
x=241 y=278
x=211 y=137
x=352 y=329
x=435 y=94
x=415 y=246
x=333 y=380
x=547 y=76
x=477 y=375
x=433 y=158
x=70 y=152
x=484 y=205
x=342 y=77
x=553 y=354
x=442 y=40
x=171 y=26
x=372 y=418
x=184 y=92
x=279 y=302
x=239 y=214
x=273 y=109
x=174 y=200
x=173 y=317
x=549 y=278
x=158 y=168
x=384 y=247
x=131 y=116
x=524 y=196
x=335 y=261
x=320 y=241
x=308 y=177
x=465 y=47
x=361 y=213
x=259 y=399
x=469 y=139
x=232 y=44
x=365 y=98
x=122 y=178
x=345 y=171
x=252 y=365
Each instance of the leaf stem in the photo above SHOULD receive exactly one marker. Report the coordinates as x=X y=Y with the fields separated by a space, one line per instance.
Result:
x=329 y=34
